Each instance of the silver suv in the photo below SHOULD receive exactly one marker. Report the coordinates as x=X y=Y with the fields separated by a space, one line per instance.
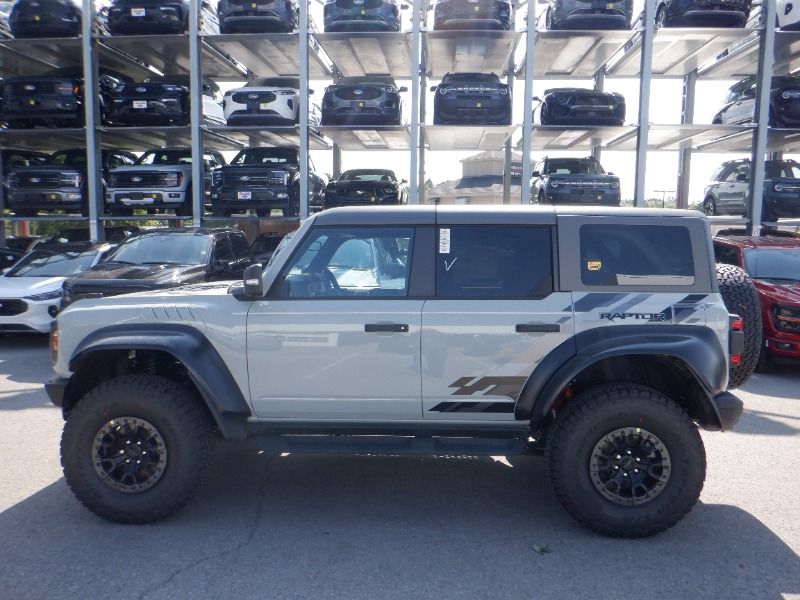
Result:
x=570 y=332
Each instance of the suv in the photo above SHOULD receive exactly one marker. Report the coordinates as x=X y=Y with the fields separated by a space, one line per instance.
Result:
x=160 y=180
x=471 y=99
x=773 y=264
x=473 y=14
x=709 y=13
x=784 y=102
x=265 y=101
x=162 y=259
x=264 y=16
x=574 y=181
x=370 y=100
x=729 y=190
x=362 y=15
x=60 y=183
x=263 y=179
x=588 y=14
x=430 y=330
x=366 y=187
x=145 y=17
x=581 y=107
x=45 y=18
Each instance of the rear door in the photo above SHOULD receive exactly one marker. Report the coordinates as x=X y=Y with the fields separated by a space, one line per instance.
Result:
x=496 y=314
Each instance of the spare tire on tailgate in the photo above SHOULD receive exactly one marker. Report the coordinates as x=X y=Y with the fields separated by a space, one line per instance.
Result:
x=741 y=298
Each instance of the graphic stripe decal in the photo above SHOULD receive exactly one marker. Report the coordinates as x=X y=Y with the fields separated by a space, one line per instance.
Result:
x=597 y=300
x=474 y=407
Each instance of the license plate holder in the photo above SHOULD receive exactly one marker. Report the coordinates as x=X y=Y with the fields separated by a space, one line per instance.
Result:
x=138 y=12
x=245 y=195
x=140 y=104
x=263 y=106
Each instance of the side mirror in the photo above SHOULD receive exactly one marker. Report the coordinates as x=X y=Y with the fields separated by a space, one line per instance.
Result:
x=403 y=181
x=433 y=88
x=404 y=7
x=310 y=91
x=536 y=174
x=536 y=99
x=253 y=281
x=610 y=173
x=742 y=177
x=402 y=89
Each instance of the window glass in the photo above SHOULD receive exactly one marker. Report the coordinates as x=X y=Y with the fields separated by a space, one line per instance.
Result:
x=183 y=249
x=775 y=169
x=494 y=262
x=240 y=247
x=166 y=157
x=636 y=255
x=47 y=263
x=780 y=264
x=726 y=255
x=350 y=262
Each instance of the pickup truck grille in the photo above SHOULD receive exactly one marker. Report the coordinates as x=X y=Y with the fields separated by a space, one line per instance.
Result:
x=257 y=179
x=350 y=4
x=17 y=88
x=40 y=180
x=141 y=179
x=12 y=307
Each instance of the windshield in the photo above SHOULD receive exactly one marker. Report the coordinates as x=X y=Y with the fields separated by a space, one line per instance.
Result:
x=471 y=78
x=574 y=166
x=166 y=157
x=163 y=249
x=384 y=176
x=43 y=263
x=71 y=158
x=266 y=156
x=773 y=263
x=787 y=170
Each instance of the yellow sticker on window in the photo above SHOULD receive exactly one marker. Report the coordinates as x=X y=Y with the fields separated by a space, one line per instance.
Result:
x=594 y=265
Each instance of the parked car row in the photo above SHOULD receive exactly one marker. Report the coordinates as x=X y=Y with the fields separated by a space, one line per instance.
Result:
x=62 y=270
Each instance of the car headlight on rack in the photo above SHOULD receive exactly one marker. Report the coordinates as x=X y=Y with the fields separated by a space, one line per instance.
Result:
x=54 y=295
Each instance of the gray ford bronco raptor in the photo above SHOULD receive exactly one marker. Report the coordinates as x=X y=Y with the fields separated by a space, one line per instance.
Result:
x=594 y=336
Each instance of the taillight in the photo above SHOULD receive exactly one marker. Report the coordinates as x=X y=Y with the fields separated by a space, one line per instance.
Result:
x=737 y=325
x=54 y=342
x=736 y=339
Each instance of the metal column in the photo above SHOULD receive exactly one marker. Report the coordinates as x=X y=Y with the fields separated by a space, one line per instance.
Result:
x=414 y=182
x=685 y=155
x=196 y=94
x=527 y=121
x=643 y=132
x=337 y=161
x=90 y=77
x=423 y=95
x=599 y=85
x=766 y=58
x=508 y=154
x=303 y=31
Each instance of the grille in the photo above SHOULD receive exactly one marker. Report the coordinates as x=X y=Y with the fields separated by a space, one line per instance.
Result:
x=584 y=184
x=38 y=180
x=351 y=4
x=258 y=179
x=244 y=97
x=349 y=93
x=12 y=307
x=144 y=179
x=41 y=87
x=592 y=101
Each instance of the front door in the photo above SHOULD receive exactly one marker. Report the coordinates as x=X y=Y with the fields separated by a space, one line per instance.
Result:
x=337 y=337
x=494 y=318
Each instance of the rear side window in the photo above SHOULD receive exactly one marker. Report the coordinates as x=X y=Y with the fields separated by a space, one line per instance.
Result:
x=636 y=255
x=240 y=247
x=494 y=262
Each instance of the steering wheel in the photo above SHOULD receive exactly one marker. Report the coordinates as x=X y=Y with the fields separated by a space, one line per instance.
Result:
x=331 y=282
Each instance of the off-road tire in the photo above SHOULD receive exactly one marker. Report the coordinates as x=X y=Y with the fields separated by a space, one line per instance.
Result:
x=180 y=419
x=601 y=410
x=741 y=298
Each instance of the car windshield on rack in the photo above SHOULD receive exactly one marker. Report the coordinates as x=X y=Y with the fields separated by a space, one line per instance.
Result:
x=574 y=166
x=385 y=176
x=773 y=263
x=777 y=169
x=188 y=249
x=471 y=77
x=45 y=263
x=68 y=158
x=266 y=156
x=166 y=157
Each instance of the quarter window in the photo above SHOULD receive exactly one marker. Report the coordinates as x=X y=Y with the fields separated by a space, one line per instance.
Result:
x=636 y=255
x=350 y=263
x=494 y=262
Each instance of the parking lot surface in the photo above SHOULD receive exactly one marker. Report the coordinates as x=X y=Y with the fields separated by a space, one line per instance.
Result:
x=375 y=527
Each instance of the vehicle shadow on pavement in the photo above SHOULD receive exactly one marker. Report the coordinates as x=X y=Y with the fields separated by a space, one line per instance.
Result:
x=380 y=527
x=22 y=358
x=25 y=400
x=783 y=383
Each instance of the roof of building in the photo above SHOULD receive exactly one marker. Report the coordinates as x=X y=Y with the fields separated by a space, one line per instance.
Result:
x=492 y=155
x=471 y=186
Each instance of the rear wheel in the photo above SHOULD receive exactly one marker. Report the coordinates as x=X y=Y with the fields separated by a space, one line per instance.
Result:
x=625 y=460
x=135 y=448
x=741 y=298
x=661 y=16
x=709 y=206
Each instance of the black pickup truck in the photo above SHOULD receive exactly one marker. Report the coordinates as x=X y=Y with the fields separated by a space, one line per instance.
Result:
x=263 y=179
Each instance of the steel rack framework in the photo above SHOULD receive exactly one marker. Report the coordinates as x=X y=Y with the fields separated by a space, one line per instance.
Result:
x=523 y=56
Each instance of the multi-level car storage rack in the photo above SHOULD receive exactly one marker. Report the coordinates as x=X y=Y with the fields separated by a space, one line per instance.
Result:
x=524 y=57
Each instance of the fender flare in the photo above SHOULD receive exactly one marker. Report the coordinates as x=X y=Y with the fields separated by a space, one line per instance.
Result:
x=205 y=366
x=697 y=347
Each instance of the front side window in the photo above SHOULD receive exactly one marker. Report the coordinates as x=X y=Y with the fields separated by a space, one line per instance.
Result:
x=494 y=262
x=350 y=263
x=636 y=255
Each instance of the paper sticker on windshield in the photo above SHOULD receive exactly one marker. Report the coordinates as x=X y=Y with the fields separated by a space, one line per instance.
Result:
x=594 y=265
x=444 y=241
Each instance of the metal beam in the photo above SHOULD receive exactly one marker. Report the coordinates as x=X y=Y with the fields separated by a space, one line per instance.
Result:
x=303 y=34
x=685 y=155
x=646 y=70
x=94 y=191
x=414 y=182
x=2 y=202
x=766 y=59
x=196 y=117
x=508 y=155
x=527 y=121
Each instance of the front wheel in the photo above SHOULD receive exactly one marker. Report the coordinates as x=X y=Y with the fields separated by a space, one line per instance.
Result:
x=709 y=207
x=135 y=448
x=625 y=460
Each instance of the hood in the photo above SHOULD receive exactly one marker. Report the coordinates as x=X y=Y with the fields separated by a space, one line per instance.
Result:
x=60 y=169
x=155 y=275
x=784 y=293
x=261 y=167
x=153 y=168
x=20 y=287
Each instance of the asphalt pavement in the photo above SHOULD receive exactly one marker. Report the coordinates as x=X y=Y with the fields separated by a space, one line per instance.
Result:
x=379 y=527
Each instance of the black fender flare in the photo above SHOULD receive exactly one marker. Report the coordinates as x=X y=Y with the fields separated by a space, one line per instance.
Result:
x=697 y=347
x=205 y=366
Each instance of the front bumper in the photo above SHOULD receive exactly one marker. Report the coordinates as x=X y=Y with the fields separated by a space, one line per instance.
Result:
x=383 y=18
x=593 y=19
x=778 y=204
x=476 y=110
x=157 y=112
x=729 y=408
x=259 y=198
x=588 y=117
x=56 y=389
x=369 y=114
x=472 y=15
x=786 y=113
x=37 y=26
x=583 y=197
x=334 y=200
x=152 y=198
x=69 y=199
x=164 y=19
x=272 y=17
x=37 y=318
x=43 y=108
x=717 y=14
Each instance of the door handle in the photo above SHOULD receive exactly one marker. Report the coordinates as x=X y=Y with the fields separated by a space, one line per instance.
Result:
x=386 y=328
x=540 y=328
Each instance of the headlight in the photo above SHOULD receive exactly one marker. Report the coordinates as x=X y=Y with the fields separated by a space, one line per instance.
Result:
x=790 y=94
x=442 y=90
x=553 y=183
x=173 y=179
x=113 y=180
x=504 y=91
x=286 y=93
x=170 y=89
x=389 y=90
x=13 y=179
x=787 y=319
x=55 y=294
x=615 y=185
x=65 y=89
x=388 y=190
x=73 y=180
x=216 y=178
